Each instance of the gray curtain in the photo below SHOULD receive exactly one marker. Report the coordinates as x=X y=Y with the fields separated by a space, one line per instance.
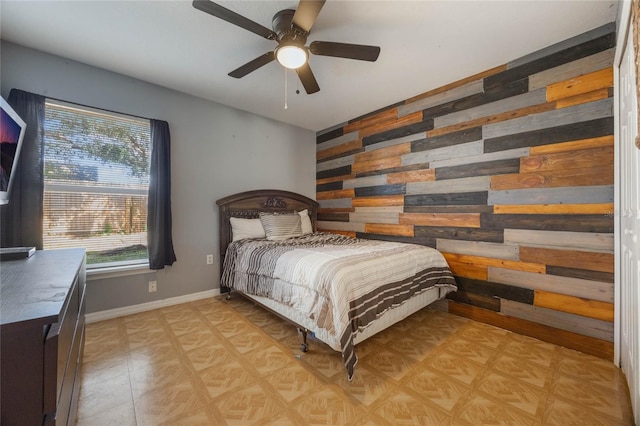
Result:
x=21 y=218
x=159 y=239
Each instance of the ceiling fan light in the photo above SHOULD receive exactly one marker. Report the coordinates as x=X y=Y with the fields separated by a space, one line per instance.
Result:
x=291 y=56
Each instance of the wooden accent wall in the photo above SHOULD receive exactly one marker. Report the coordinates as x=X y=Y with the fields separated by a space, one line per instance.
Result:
x=509 y=173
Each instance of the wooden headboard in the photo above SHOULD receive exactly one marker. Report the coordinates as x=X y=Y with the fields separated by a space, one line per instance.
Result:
x=248 y=205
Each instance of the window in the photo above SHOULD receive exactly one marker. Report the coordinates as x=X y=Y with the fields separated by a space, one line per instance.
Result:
x=96 y=180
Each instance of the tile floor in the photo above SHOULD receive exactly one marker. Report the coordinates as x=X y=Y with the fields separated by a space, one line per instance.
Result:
x=214 y=362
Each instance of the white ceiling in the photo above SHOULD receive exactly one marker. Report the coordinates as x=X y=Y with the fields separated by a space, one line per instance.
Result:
x=424 y=45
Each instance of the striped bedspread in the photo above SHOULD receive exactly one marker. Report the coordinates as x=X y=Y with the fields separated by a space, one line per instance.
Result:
x=343 y=284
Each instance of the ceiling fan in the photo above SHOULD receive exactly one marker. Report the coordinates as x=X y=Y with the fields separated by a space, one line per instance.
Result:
x=290 y=30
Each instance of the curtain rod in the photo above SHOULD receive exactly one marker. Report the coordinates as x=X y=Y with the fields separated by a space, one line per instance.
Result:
x=102 y=109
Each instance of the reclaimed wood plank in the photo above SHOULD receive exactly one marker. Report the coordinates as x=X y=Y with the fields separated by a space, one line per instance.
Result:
x=585 y=65
x=336 y=210
x=330 y=133
x=549 y=119
x=332 y=195
x=602 y=141
x=481 y=158
x=331 y=186
x=391 y=151
x=466 y=220
x=405 y=126
x=465 y=234
x=588 y=345
x=351 y=147
x=549 y=222
x=333 y=217
x=596 y=95
x=466 y=270
x=392 y=218
x=478 y=248
x=487 y=168
x=396 y=141
x=334 y=204
x=473 y=299
x=504 y=291
x=374 y=191
x=338 y=178
x=455 y=138
x=517 y=265
x=453 y=93
x=336 y=164
x=384 y=116
x=377 y=164
x=469 y=184
x=594 y=290
x=340 y=226
x=569 y=132
x=570 y=195
x=565 y=321
x=453 y=151
x=425 y=241
x=364 y=181
x=337 y=141
x=595 y=176
x=592 y=261
x=389 y=229
x=380 y=209
x=411 y=176
x=448 y=209
x=446 y=199
x=580 y=85
x=585 y=158
x=388 y=171
x=558 y=239
x=387 y=200
x=604 y=208
x=584 y=274
x=574 y=305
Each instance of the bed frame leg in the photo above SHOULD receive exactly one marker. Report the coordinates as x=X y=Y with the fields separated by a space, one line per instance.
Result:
x=228 y=296
x=304 y=347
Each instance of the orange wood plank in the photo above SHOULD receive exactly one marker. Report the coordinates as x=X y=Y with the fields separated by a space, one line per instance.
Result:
x=574 y=305
x=554 y=178
x=522 y=112
x=586 y=344
x=389 y=229
x=591 y=261
x=384 y=200
x=340 y=193
x=586 y=158
x=603 y=141
x=340 y=149
x=333 y=231
x=424 y=175
x=581 y=84
x=334 y=179
x=584 y=98
x=499 y=263
x=380 y=164
x=458 y=83
x=385 y=116
x=606 y=209
x=467 y=220
x=413 y=118
x=390 y=151
x=467 y=270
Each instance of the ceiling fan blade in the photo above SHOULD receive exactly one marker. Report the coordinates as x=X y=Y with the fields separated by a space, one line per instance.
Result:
x=227 y=15
x=345 y=50
x=306 y=14
x=308 y=80
x=253 y=65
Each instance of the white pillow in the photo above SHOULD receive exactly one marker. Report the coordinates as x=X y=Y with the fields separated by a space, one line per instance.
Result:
x=305 y=222
x=281 y=226
x=246 y=228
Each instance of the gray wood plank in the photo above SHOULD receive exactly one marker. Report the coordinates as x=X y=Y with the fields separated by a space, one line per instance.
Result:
x=335 y=163
x=471 y=184
x=364 y=181
x=524 y=100
x=341 y=226
x=397 y=141
x=335 y=204
x=375 y=217
x=337 y=141
x=454 y=151
x=594 y=290
x=563 y=195
x=467 y=89
x=471 y=159
x=388 y=209
x=564 y=321
x=561 y=240
x=479 y=248
x=573 y=69
x=559 y=117
x=565 y=44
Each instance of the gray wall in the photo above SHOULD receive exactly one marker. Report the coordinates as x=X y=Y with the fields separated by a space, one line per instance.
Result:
x=216 y=151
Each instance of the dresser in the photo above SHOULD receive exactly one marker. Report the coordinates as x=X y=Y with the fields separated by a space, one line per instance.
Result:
x=42 y=302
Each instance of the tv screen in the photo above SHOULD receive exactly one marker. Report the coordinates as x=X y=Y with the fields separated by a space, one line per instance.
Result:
x=12 y=129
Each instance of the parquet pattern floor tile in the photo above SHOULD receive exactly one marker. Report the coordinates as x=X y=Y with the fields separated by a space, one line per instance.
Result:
x=219 y=362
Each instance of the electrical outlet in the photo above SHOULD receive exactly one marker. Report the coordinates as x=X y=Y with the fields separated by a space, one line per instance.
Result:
x=153 y=286
x=209 y=259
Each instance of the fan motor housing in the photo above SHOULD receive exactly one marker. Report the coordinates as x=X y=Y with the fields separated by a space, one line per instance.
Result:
x=286 y=31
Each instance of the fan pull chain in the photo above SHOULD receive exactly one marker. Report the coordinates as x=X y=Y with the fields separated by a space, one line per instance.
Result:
x=285 y=88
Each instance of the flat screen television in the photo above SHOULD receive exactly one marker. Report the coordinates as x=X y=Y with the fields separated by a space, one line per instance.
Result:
x=12 y=129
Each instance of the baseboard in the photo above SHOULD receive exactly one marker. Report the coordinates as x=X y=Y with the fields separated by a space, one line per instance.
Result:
x=143 y=307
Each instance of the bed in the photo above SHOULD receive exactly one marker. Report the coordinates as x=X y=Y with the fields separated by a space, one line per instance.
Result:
x=343 y=290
